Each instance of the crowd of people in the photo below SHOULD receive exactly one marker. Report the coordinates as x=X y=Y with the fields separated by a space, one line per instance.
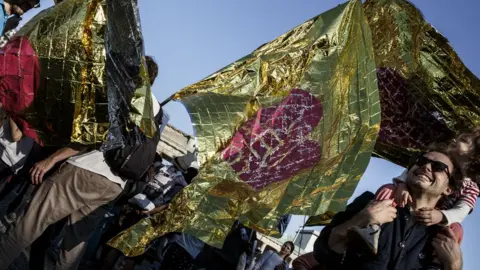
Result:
x=65 y=204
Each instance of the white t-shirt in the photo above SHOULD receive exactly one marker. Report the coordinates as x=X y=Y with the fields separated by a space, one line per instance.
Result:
x=13 y=153
x=94 y=161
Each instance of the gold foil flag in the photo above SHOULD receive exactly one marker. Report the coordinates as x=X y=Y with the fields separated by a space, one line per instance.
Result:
x=66 y=80
x=289 y=128
x=427 y=94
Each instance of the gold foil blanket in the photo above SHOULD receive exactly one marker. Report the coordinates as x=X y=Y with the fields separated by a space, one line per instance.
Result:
x=427 y=94
x=65 y=90
x=289 y=128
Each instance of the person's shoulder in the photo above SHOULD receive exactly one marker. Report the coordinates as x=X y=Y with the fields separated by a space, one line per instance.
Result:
x=362 y=200
x=367 y=195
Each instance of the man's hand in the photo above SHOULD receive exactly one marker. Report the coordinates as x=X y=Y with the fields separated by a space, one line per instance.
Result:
x=374 y=213
x=40 y=169
x=448 y=250
x=402 y=196
x=380 y=212
x=428 y=217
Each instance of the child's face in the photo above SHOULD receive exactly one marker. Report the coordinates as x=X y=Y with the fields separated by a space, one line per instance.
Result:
x=464 y=144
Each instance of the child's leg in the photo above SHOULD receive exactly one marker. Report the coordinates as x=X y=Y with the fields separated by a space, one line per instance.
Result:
x=386 y=192
x=457 y=231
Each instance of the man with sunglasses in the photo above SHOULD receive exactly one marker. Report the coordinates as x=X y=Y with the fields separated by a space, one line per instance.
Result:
x=404 y=242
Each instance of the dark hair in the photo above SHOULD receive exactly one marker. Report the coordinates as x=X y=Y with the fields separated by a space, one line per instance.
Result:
x=458 y=174
x=292 y=246
x=152 y=68
x=470 y=159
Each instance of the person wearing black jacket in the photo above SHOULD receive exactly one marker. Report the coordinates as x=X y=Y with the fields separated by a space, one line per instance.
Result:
x=403 y=243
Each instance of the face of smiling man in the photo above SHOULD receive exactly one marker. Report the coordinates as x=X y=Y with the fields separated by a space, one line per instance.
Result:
x=430 y=175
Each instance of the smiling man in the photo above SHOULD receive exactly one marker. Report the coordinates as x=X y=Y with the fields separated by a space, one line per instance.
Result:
x=403 y=242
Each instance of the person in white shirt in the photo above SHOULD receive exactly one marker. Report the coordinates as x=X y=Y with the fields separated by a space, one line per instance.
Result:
x=14 y=147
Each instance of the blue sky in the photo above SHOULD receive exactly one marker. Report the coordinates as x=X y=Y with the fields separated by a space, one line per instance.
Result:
x=191 y=39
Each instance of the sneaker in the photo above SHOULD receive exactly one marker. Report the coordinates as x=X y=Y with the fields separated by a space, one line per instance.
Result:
x=364 y=240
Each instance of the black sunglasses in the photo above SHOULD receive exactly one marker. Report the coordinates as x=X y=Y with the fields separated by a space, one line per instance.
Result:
x=437 y=166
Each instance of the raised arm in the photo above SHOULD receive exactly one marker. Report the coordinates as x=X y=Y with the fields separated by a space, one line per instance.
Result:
x=332 y=242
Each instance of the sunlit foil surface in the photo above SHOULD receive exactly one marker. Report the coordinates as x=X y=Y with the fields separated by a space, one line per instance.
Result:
x=427 y=93
x=63 y=94
x=289 y=128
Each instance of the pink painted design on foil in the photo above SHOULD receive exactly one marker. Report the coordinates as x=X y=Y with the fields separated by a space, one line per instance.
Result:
x=274 y=146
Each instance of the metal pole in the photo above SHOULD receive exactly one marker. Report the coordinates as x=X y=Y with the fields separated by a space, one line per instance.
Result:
x=167 y=100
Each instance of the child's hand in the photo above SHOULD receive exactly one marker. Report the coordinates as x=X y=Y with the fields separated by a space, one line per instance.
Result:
x=402 y=196
x=428 y=217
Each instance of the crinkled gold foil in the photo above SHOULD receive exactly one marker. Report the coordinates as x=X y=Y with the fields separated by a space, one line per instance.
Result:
x=71 y=104
x=427 y=94
x=141 y=111
x=289 y=128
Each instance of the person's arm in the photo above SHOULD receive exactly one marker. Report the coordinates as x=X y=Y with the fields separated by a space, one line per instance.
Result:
x=377 y=213
x=402 y=195
x=332 y=242
x=42 y=167
x=322 y=250
x=464 y=205
x=265 y=256
x=15 y=131
x=457 y=213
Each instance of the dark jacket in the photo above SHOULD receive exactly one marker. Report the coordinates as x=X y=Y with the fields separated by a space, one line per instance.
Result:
x=402 y=245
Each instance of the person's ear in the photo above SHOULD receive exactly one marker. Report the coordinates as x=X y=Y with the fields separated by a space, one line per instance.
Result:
x=448 y=191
